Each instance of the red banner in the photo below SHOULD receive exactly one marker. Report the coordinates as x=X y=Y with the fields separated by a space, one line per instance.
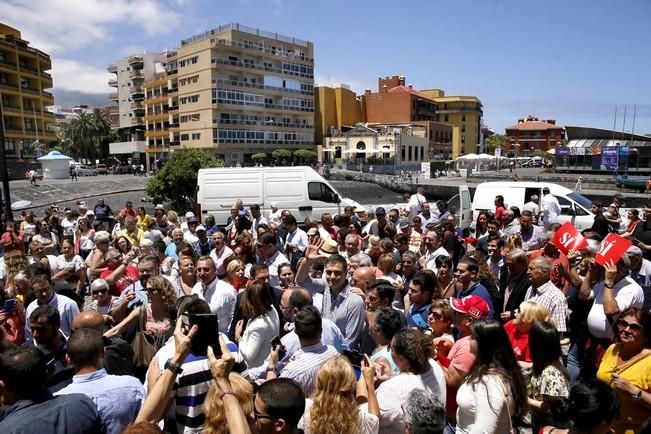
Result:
x=568 y=238
x=612 y=248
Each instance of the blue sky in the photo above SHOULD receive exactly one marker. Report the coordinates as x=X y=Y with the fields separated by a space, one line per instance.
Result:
x=573 y=61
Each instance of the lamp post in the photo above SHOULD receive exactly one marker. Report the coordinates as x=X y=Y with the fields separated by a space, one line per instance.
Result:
x=3 y=170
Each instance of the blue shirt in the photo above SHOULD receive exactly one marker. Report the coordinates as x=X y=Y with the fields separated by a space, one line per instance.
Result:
x=418 y=317
x=480 y=290
x=170 y=251
x=118 y=397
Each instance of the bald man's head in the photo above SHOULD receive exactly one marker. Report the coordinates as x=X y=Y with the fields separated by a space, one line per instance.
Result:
x=89 y=319
x=362 y=277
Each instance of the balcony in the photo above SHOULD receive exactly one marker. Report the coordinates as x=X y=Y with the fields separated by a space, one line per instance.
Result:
x=113 y=83
x=30 y=90
x=137 y=89
x=113 y=68
x=8 y=108
x=47 y=96
x=136 y=73
x=137 y=105
x=137 y=121
x=247 y=65
x=9 y=86
x=7 y=62
x=174 y=108
x=113 y=96
x=28 y=68
x=13 y=130
x=268 y=50
x=136 y=59
x=261 y=86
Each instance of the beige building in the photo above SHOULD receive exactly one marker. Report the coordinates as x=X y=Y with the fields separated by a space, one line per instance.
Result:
x=464 y=113
x=131 y=74
x=379 y=143
x=243 y=91
x=24 y=77
x=158 y=92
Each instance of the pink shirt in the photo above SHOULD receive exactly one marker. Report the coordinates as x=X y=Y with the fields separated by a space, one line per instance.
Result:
x=462 y=359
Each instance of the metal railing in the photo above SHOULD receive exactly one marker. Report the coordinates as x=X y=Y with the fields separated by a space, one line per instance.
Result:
x=245 y=84
x=260 y=67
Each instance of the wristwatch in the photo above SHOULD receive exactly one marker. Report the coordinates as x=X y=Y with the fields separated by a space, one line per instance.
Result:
x=609 y=285
x=176 y=369
x=638 y=395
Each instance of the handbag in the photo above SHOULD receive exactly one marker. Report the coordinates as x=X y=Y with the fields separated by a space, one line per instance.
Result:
x=143 y=348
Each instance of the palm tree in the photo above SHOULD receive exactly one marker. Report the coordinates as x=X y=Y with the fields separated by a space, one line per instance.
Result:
x=84 y=134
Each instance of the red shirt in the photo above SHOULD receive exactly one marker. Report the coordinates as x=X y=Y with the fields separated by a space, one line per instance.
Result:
x=498 y=213
x=14 y=244
x=519 y=342
x=129 y=212
x=129 y=276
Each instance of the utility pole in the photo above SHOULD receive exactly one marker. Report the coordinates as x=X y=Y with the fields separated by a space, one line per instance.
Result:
x=3 y=170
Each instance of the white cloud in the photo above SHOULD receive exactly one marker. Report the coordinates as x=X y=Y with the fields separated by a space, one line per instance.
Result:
x=56 y=26
x=72 y=75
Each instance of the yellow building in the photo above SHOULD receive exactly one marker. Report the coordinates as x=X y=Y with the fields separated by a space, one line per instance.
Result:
x=157 y=116
x=464 y=113
x=334 y=107
x=243 y=91
x=23 y=80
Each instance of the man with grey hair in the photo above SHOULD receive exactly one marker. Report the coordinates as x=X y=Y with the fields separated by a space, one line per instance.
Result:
x=533 y=207
x=132 y=232
x=616 y=292
x=641 y=273
x=351 y=244
x=514 y=284
x=542 y=291
x=424 y=413
x=359 y=260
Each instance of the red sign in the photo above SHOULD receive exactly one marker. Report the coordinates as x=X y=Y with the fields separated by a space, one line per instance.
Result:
x=568 y=238
x=612 y=248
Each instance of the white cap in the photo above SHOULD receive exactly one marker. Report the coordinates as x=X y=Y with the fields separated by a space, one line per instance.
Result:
x=89 y=212
x=189 y=214
x=273 y=204
x=200 y=228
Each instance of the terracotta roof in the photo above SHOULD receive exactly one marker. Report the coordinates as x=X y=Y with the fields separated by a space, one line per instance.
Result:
x=534 y=125
x=411 y=91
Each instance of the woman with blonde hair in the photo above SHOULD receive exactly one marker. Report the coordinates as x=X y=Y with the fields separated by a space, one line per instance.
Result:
x=216 y=422
x=386 y=263
x=332 y=408
x=173 y=218
x=518 y=330
x=235 y=274
x=17 y=269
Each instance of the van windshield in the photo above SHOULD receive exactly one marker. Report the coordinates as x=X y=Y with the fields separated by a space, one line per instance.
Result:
x=580 y=199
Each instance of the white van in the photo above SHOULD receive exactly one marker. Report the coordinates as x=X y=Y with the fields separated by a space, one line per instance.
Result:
x=574 y=207
x=299 y=189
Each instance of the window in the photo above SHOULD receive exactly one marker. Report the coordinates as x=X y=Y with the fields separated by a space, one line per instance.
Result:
x=24 y=83
x=463 y=118
x=320 y=191
x=189 y=61
x=446 y=118
x=196 y=136
x=463 y=138
x=185 y=136
x=189 y=99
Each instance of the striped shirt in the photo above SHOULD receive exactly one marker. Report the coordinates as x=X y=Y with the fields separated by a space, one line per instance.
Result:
x=348 y=312
x=553 y=300
x=303 y=366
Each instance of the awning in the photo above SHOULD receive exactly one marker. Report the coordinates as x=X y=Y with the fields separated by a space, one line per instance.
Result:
x=362 y=151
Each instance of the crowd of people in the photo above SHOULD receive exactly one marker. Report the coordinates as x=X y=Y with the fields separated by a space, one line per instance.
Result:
x=363 y=322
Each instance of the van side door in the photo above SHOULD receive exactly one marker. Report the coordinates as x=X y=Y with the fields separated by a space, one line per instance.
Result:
x=321 y=199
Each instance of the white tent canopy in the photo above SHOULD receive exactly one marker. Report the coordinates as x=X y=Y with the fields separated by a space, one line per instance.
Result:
x=467 y=157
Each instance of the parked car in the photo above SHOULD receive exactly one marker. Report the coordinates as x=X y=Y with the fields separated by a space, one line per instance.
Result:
x=101 y=169
x=85 y=170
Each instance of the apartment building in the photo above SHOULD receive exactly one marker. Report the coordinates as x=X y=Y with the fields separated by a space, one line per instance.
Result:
x=24 y=77
x=397 y=102
x=242 y=91
x=131 y=74
x=465 y=114
x=335 y=107
x=532 y=134
x=157 y=117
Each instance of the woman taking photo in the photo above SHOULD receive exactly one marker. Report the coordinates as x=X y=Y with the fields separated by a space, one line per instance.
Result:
x=261 y=328
x=445 y=281
x=549 y=379
x=84 y=238
x=410 y=350
x=333 y=408
x=626 y=366
x=386 y=323
x=494 y=394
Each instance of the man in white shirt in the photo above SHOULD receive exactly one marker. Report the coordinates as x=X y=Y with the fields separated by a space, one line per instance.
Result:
x=190 y=236
x=296 y=238
x=641 y=273
x=256 y=220
x=416 y=202
x=612 y=295
x=218 y=294
x=220 y=253
x=433 y=249
x=428 y=218
x=550 y=208
x=271 y=256
x=533 y=206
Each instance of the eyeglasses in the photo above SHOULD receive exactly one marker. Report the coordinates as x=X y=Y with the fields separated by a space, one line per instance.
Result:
x=257 y=415
x=623 y=325
x=100 y=291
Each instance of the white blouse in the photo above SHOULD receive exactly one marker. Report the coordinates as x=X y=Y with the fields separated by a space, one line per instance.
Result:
x=484 y=406
x=255 y=343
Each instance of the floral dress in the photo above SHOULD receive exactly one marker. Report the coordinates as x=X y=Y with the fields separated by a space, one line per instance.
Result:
x=549 y=385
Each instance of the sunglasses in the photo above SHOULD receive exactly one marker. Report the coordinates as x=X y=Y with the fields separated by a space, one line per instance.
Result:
x=99 y=291
x=623 y=325
x=437 y=316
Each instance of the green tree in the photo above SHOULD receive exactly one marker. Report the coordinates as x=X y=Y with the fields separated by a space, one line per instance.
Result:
x=304 y=155
x=496 y=141
x=177 y=180
x=281 y=154
x=83 y=136
x=260 y=156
